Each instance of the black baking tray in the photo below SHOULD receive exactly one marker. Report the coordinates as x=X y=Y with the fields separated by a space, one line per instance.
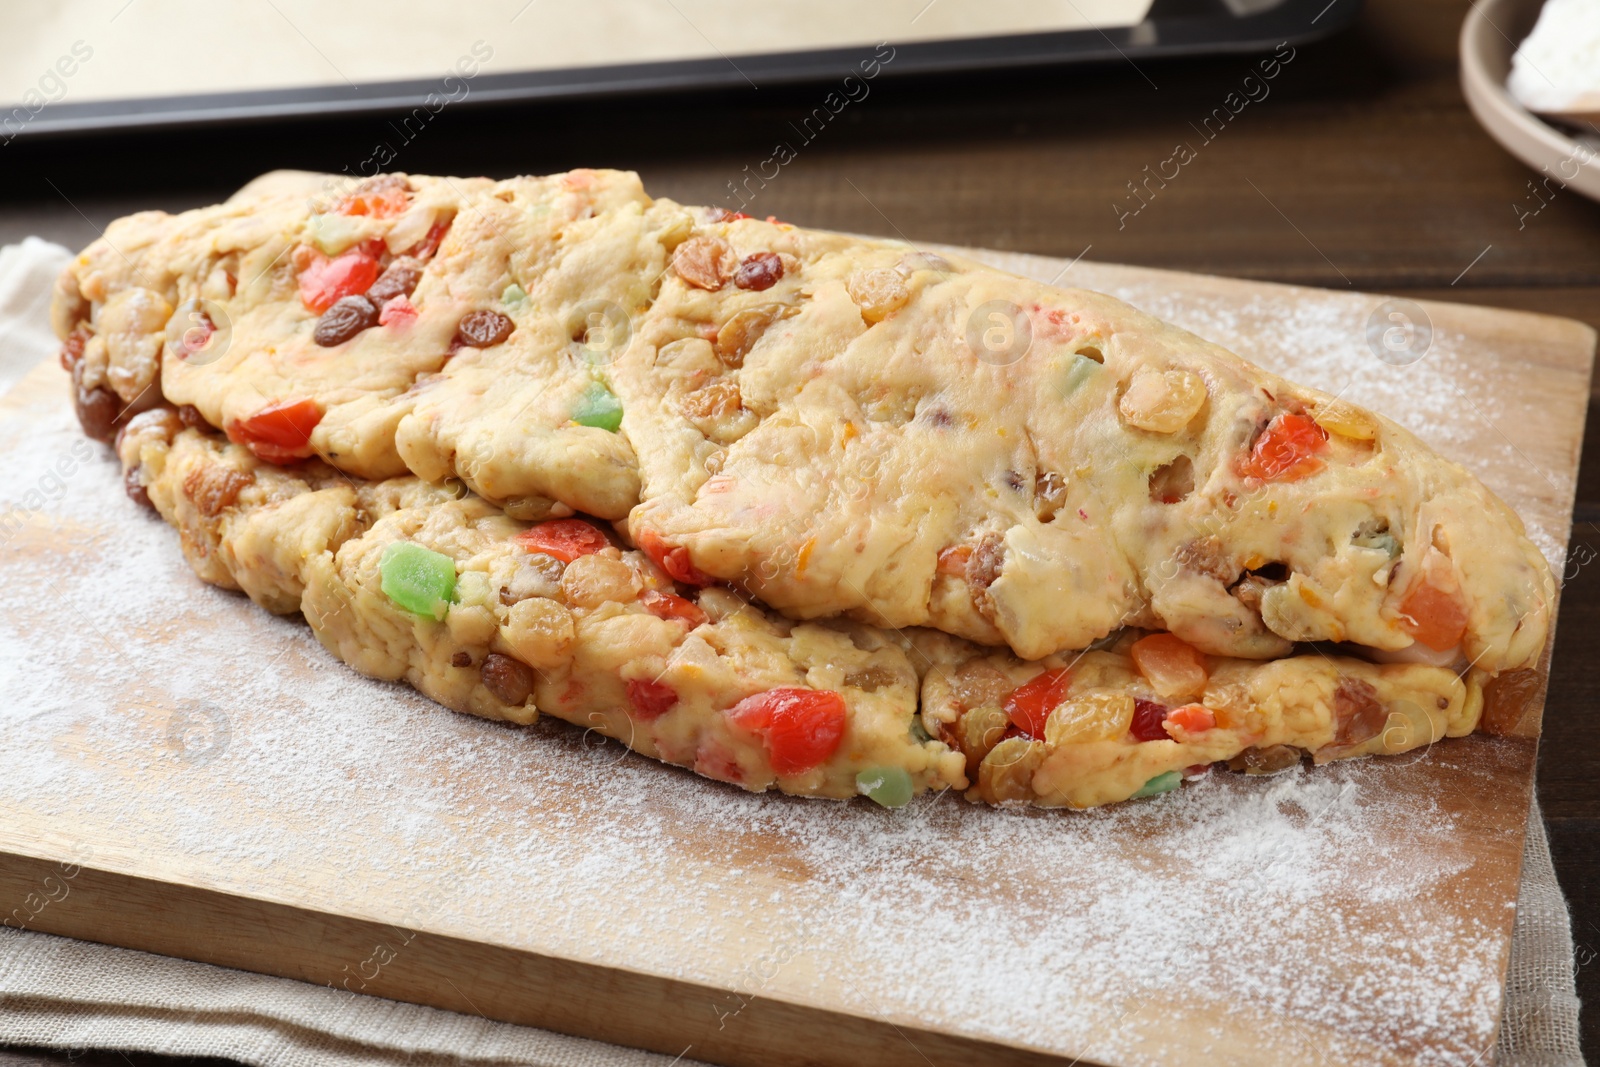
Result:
x=1172 y=28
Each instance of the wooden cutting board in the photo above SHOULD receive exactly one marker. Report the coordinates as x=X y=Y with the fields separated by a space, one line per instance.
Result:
x=184 y=774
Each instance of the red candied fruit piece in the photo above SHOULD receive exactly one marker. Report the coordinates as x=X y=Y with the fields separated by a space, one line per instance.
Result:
x=651 y=699
x=802 y=728
x=671 y=606
x=279 y=433
x=324 y=282
x=425 y=248
x=397 y=311
x=1147 y=719
x=672 y=559
x=1030 y=704
x=565 y=539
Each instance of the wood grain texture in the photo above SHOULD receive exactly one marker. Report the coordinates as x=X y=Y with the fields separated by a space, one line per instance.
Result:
x=139 y=886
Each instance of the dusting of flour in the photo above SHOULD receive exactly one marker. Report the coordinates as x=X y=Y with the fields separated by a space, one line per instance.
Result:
x=1340 y=913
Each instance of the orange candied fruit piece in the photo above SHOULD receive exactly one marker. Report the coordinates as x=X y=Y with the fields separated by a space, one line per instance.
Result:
x=1191 y=719
x=1287 y=450
x=1175 y=668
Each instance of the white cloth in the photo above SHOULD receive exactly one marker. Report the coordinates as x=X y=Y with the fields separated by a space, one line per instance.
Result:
x=61 y=993
x=27 y=275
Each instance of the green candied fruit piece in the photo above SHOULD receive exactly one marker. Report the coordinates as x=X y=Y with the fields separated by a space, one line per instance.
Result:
x=1383 y=542
x=1165 y=782
x=889 y=786
x=514 y=294
x=1080 y=371
x=418 y=579
x=919 y=732
x=598 y=407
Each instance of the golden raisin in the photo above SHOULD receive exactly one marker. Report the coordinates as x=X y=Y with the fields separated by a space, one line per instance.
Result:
x=1007 y=771
x=212 y=488
x=713 y=400
x=540 y=631
x=1049 y=494
x=980 y=730
x=976 y=682
x=590 y=581
x=878 y=293
x=1346 y=420
x=705 y=262
x=1098 y=715
x=741 y=332
x=1162 y=401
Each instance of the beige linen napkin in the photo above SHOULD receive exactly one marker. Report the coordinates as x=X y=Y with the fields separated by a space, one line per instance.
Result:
x=61 y=993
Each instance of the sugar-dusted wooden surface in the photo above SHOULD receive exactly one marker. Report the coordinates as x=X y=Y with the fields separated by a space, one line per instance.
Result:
x=235 y=796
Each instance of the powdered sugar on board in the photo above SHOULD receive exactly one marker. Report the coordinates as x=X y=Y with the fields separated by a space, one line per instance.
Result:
x=1353 y=912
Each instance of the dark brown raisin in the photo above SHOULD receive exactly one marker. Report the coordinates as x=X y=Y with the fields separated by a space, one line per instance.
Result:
x=346 y=318
x=508 y=680
x=1358 y=714
x=461 y=659
x=759 y=271
x=135 y=489
x=213 y=488
x=98 y=409
x=190 y=416
x=400 y=279
x=484 y=329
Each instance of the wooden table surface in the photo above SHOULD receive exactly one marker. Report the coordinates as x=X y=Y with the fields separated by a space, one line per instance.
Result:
x=1362 y=168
